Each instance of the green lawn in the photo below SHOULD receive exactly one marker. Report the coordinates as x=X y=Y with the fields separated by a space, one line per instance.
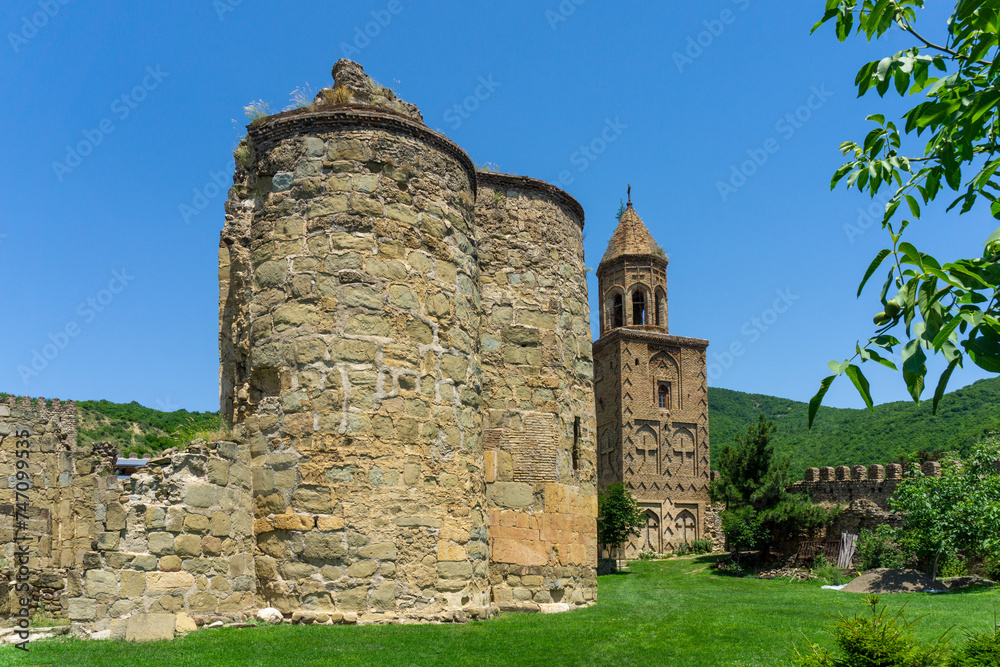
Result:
x=672 y=613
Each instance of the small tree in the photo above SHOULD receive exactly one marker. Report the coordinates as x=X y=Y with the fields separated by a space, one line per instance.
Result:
x=960 y=510
x=618 y=517
x=753 y=483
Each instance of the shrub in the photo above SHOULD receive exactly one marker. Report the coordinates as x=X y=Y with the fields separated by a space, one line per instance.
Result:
x=879 y=548
x=702 y=546
x=876 y=640
x=989 y=567
x=979 y=650
x=646 y=555
x=954 y=566
x=827 y=571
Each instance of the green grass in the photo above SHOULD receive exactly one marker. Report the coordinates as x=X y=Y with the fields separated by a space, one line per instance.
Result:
x=673 y=612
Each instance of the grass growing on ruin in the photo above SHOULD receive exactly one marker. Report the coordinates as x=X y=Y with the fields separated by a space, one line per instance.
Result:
x=674 y=612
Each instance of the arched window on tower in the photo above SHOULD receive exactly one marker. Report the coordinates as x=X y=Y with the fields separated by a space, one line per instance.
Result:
x=638 y=308
x=618 y=314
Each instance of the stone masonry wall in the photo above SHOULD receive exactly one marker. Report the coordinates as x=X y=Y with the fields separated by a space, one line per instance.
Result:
x=54 y=538
x=845 y=484
x=361 y=399
x=109 y=555
x=863 y=492
x=538 y=395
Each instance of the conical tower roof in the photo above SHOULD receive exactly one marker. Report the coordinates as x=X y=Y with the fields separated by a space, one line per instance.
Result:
x=631 y=239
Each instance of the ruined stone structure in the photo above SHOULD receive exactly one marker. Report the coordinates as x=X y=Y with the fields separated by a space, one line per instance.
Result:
x=406 y=363
x=863 y=493
x=122 y=558
x=652 y=395
x=405 y=348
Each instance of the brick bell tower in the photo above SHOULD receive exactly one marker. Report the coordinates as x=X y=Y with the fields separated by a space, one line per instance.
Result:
x=651 y=391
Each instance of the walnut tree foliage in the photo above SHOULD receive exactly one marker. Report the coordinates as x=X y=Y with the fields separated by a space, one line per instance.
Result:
x=956 y=511
x=949 y=308
x=753 y=484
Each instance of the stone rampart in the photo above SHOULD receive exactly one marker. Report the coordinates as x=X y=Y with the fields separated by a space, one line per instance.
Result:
x=845 y=484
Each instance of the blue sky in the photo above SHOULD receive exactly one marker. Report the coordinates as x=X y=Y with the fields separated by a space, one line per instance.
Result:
x=99 y=262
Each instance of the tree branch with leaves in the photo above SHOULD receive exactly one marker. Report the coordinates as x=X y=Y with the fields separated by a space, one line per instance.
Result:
x=950 y=308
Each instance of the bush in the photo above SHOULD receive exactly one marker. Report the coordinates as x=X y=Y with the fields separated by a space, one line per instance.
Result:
x=646 y=555
x=880 y=548
x=876 y=640
x=989 y=567
x=827 y=571
x=702 y=546
x=979 y=650
x=954 y=566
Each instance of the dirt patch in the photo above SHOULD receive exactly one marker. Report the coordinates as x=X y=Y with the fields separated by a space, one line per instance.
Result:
x=964 y=582
x=885 y=580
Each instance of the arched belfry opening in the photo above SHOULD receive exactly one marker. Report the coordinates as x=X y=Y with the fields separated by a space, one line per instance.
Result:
x=618 y=312
x=638 y=308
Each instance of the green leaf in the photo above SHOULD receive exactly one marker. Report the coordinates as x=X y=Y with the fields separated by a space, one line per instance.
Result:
x=945 y=333
x=994 y=237
x=816 y=400
x=861 y=384
x=914 y=368
x=873 y=267
x=984 y=352
x=942 y=385
x=911 y=254
x=876 y=357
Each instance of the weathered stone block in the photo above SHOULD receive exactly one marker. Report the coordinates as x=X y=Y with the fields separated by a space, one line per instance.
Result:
x=170 y=564
x=154 y=518
x=150 y=627
x=165 y=581
x=82 y=609
x=323 y=547
x=315 y=499
x=187 y=545
x=98 y=583
x=217 y=472
x=133 y=583
x=161 y=543
x=196 y=523
x=511 y=494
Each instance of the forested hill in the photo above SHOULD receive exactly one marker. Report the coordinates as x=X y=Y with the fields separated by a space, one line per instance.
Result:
x=858 y=437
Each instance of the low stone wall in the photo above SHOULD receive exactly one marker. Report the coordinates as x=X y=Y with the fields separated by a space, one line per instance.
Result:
x=182 y=541
x=120 y=557
x=845 y=484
